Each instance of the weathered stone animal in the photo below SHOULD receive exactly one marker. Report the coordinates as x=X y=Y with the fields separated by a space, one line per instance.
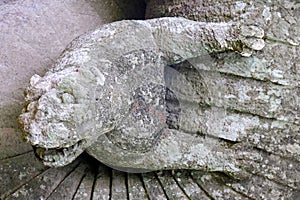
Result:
x=120 y=94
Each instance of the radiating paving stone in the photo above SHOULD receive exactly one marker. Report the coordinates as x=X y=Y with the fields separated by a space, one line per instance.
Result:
x=192 y=190
x=16 y=171
x=258 y=187
x=11 y=143
x=136 y=190
x=118 y=186
x=44 y=184
x=213 y=186
x=153 y=187
x=170 y=186
x=68 y=187
x=102 y=187
x=85 y=189
x=80 y=180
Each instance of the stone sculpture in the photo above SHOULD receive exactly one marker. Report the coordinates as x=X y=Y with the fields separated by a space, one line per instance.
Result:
x=121 y=94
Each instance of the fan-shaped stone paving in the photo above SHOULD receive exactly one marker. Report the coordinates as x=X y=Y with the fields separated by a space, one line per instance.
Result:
x=22 y=176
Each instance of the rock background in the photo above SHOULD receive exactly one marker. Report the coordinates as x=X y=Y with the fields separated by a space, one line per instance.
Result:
x=32 y=35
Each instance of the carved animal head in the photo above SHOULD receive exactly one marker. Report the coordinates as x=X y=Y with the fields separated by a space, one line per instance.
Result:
x=57 y=114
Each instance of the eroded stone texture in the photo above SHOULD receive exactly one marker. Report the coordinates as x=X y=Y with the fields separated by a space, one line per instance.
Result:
x=108 y=95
